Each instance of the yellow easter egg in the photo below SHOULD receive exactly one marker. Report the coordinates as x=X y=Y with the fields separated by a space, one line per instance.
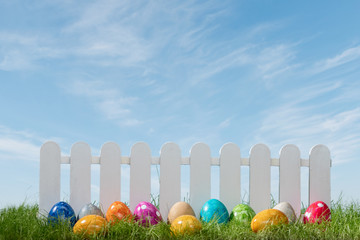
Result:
x=185 y=224
x=89 y=225
x=267 y=218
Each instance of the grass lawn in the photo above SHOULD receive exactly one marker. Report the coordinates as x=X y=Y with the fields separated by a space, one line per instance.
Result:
x=22 y=223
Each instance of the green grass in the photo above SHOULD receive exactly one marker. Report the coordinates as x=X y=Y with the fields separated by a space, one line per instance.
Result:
x=22 y=223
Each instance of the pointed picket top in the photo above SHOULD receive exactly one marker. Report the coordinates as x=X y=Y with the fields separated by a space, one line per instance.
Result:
x=230 y=180
x=110 y=174
x=319 y=174
x=259 y=185
x=200 y=176
x=80 y=175
x=49 y=180
x=289 y=189
x=140 y=174
x=170 y=177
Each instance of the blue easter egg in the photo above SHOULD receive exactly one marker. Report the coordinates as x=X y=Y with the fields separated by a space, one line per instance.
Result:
x=214 y=210
x=62 y=212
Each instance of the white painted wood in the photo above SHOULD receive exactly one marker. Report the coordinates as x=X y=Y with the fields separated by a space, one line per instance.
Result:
x=184 y=161
x=319 y=175
x=289 y=189
x=230 y=181
x=170 y=178
x=200 y=176
x=80 y=175
x=49 y=179
x=140 y=174
x=259 y=186
x=110 y=174
x=170 y=159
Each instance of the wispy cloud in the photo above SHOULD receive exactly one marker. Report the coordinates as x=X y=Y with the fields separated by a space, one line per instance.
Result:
x=225 y=123
x=19 y=145
x=347 y=56
x=307 y=125
x=24 y=51
x=111 y=103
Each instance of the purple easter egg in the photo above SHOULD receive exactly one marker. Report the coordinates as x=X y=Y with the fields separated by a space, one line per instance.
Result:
x=147 y=214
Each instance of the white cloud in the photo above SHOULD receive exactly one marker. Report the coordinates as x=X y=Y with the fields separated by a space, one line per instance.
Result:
x=20 y=51
x=109 y=101
x=225 y=123
x=343 y=120
x=19 y=145
x=306 y=125
x=275 y=60
x=347 y=56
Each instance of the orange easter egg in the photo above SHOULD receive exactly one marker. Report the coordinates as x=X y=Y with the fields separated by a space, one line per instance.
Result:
x=118 y=211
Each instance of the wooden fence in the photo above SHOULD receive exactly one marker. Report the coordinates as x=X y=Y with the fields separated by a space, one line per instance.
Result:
x=170 y=160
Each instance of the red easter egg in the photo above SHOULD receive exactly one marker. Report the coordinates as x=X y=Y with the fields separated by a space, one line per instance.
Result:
x=317 y=213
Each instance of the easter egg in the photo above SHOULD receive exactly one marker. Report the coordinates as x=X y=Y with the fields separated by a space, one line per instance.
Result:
x=317 y=212
x=185 y=224
x=118 y=211
x=179 y=209
x=214 y=210
x=147 y=214
x=267 y=218
x=89 y=209
x=242 y=213
x=288 y=210
x=89 y=225
x=62 y=212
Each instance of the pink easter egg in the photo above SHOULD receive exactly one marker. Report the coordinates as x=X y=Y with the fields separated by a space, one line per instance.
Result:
x=147 y=214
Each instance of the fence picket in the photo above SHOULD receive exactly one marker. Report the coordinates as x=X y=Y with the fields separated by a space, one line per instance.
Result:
x=230 y=181
x=259 y=186
x=80 y=175
x=289 y=189
x=110 y=174
x=170 y=179
x=140 y=174
x=200 y=167
x=49 y=185
x=319 y=175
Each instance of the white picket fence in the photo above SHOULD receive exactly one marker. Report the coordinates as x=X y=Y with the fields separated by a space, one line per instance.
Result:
x=170 y=161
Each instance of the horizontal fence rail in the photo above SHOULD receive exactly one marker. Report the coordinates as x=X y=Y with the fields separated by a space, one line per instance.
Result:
x=170 y=160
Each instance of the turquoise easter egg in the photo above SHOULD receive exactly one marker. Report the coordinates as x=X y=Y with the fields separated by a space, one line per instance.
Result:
x=214 y=210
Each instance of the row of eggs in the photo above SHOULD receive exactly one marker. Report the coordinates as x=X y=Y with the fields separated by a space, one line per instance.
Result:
x=182 y=217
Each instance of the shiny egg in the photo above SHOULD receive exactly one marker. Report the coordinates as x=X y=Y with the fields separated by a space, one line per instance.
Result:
x=118 y=211
x=288 y=210
x=179 y=209
x=89 y=209
x=147 y=214
x=90 y=225
x=242 y=213
x=317 y=212
x=214 y=210
x=267 y=218
x=185 y=225
x=62 y=212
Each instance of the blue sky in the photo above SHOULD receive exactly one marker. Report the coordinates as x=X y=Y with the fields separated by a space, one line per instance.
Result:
x=274 y=72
